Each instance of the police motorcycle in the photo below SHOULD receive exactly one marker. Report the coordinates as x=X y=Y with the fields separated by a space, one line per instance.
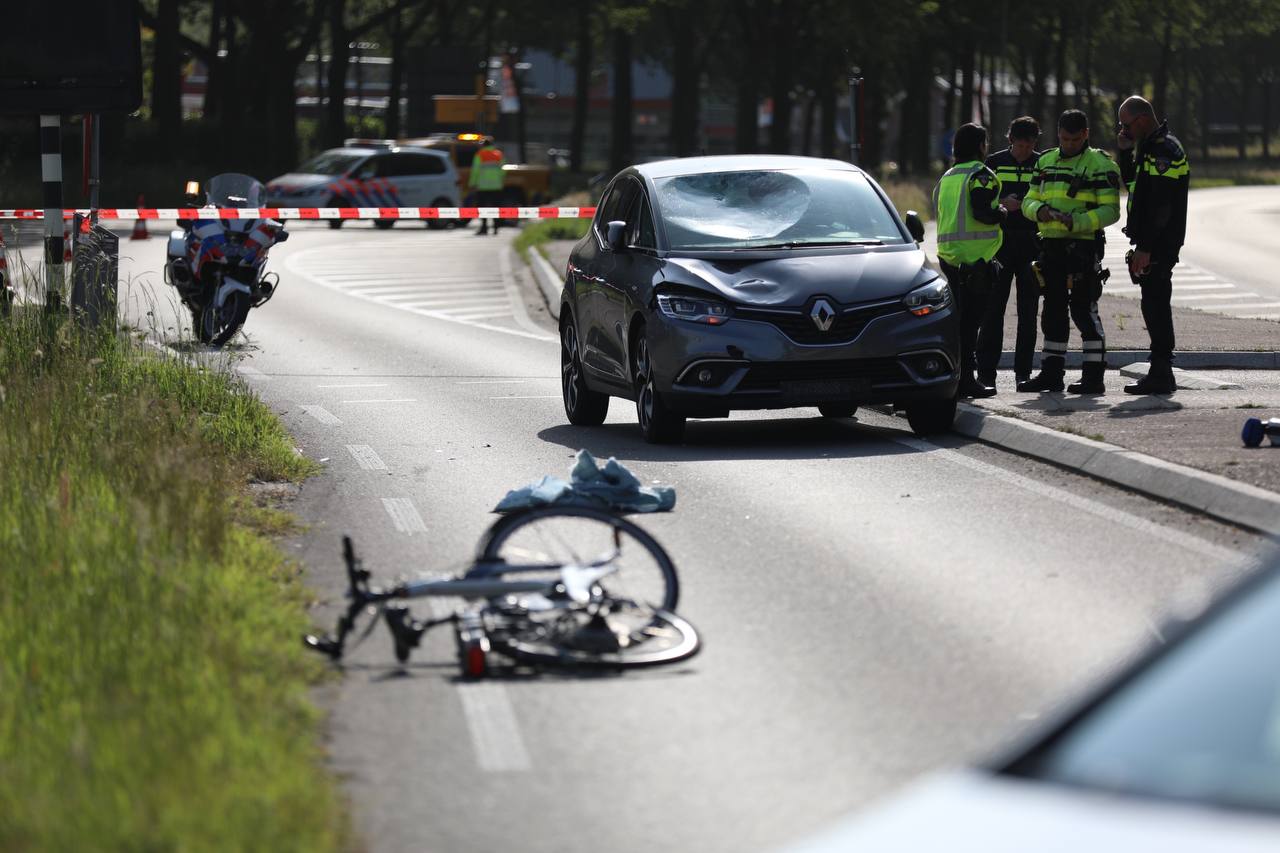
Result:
x=216 y=265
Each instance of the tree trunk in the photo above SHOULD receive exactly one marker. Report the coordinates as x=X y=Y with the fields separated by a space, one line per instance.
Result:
x=1206 y=111
x=335 y=116
x=923 y=154
x=1086 y=75
x=581 y=87
x=214 y=72
x=949 y=101
x=827 y=104
x=747 y=96
x=1266 y=117
x=620 y=141
x=873 y=110
x=686 y=71
x=966 y=85
x=1040 y=88
x=1060 y=67
x=1160 y=89
x=1246 y=86
x=780 y=91
x=395 y=83
x=166 y=89
x=517 y=81
x=806 y=133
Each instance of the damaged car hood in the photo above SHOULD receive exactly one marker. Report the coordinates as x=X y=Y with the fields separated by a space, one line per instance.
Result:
x=788 y=281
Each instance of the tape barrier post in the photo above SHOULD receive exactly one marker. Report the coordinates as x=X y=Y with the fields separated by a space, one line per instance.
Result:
x=51 y=174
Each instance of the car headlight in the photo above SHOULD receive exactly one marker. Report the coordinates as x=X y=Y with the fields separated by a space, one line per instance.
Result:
x=923 y=301
x=695 y=309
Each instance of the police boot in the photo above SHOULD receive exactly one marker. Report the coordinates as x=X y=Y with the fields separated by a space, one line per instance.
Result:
x=1090 y=379
x=971 y=387
x=1048 y=379
x=1159 y=380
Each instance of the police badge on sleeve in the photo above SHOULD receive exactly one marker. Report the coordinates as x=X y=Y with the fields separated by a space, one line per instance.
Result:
x=1163 y=164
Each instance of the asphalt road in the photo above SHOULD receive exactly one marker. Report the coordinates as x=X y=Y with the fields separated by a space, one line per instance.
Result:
x=873 y=606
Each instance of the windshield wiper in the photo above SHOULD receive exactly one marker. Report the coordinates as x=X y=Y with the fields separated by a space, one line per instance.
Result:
x=811 y=244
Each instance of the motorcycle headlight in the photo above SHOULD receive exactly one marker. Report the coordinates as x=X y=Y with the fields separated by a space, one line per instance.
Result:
x=923 y=301
x=695 y=309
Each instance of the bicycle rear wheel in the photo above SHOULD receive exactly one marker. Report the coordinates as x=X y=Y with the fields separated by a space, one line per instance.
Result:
x=628 y=635
x=547 y=539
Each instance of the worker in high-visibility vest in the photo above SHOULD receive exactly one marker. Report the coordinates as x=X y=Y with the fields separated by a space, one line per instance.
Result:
x=1074 y=195
x=969 y=236
x=486 y=180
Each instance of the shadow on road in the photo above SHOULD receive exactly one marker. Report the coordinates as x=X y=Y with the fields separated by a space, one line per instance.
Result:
x=791 y=438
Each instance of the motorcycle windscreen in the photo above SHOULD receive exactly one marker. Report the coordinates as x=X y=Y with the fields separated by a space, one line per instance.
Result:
x=232 y=189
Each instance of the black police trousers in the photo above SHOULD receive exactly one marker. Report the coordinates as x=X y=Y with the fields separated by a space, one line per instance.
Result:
x=1015 y=257
x=1157 y=312
x=970 y=285
x=1077 y=260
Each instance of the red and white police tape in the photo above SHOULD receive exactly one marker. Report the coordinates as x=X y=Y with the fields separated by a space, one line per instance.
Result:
x=317 y=213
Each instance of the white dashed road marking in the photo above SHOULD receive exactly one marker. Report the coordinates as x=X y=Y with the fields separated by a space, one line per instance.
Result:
x=404 y=515
x=252 y=373
x=367 y=457
x=495 y=735
x=322 y=414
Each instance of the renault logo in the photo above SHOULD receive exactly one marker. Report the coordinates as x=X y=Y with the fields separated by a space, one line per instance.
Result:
x=822 y=315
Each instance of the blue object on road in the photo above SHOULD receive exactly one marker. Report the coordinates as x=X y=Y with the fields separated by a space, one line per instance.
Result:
x=1255 y=429
x=611 y=486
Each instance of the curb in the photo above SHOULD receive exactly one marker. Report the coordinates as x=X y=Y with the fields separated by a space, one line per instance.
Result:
x=1214 y=495
x=1194 y=359
x=548 y=283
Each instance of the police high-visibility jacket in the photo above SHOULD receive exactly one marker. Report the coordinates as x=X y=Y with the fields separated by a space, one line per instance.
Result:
x=486 y=169
x=1158 y=176
x=968 y=214
x=1015 y=179
x=1087 y=186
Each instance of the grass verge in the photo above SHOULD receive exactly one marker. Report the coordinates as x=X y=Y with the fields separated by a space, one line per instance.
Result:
x=540 y=232
x=153 y=692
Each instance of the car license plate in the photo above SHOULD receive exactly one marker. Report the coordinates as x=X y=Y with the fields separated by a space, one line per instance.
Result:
x=814 y=389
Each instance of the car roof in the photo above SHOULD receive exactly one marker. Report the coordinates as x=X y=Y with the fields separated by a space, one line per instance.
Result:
x=363 y=150
x=738 y=163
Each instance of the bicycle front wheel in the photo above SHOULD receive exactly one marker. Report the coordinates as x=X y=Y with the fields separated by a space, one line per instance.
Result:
x=547 y=539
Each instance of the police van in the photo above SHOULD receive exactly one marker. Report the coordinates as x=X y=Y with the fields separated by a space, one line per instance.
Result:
x=367 y=173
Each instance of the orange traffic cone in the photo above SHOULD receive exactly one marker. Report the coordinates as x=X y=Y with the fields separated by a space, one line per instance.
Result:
x=140 y=225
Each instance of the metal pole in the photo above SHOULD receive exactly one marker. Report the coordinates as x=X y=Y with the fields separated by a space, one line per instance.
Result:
x=95 y=168
x=855 y=116
x=51 y=173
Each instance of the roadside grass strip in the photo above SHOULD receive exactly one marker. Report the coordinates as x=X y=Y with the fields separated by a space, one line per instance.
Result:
x=535 y=234
x=153 y=692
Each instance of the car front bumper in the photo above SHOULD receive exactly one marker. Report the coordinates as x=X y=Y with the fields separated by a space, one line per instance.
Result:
x=897 y=358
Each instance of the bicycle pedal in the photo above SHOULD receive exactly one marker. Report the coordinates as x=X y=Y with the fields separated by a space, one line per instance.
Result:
x=405 y=631
x=324 y=645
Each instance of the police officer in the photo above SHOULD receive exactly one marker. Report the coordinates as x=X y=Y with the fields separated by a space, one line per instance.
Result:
x=969 y=236
x=1155 y=167
x=486 y=179
x=1014 y=167
x=1075 y=193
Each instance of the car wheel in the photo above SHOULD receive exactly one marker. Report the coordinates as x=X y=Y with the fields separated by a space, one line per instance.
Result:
x=583 y=406
x=837 y=410
x=441 y=224
x=658 y=423
x=384 y=224
x=932 y=417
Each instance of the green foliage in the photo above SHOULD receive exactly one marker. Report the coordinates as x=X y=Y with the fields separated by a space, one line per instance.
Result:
x=534 y=235
x=153 y=693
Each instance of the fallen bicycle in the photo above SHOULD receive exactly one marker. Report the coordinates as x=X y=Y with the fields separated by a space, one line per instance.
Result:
x=559 y=586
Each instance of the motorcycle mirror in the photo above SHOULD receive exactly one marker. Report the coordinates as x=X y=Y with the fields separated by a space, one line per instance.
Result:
x=282 y=235
x=616 y=232
x=914 y=226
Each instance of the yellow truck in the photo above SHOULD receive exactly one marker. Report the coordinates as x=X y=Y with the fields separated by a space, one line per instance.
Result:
x=523 y=185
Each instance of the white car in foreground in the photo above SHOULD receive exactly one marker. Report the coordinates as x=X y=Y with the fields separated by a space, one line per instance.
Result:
x=1180 y=753
x=370 y=176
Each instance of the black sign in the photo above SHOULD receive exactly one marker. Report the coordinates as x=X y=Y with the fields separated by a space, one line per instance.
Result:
x=70 y=58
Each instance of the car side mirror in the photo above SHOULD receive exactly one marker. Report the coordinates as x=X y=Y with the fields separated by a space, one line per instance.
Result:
x=914 y=226
x=616 y=234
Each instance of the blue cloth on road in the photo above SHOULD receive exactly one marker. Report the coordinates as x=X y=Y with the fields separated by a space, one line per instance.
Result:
x=610 y=486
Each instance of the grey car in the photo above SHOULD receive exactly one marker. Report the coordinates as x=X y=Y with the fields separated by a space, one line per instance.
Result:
x=713 y=284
